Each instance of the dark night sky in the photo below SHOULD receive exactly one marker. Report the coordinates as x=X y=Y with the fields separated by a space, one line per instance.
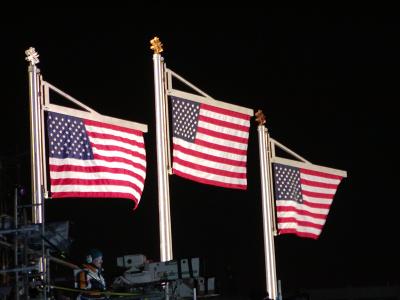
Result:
x=326 y=80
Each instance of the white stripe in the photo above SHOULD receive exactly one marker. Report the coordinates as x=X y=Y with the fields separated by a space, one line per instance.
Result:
x=220 y=141
x=123 y=134
x=119 y=154
x=209 y=176
x=208 y=163
x=97 y=175
x=94 y=188
x=224 y=129
x=319 y=179
x=302 y=206
x=316 y=189
x=317 y=200
x=298 y=228
x=291 y=214
x=94 y=163
x=106 y=142
x=218 y=153
x=223 y=117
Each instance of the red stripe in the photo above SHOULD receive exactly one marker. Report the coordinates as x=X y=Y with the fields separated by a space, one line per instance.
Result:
x=91 y=182
x=300 y=212
x=220 y=148
x=210 y=170
x=210 y=182
x=224 y=123
x=209 y=157
x=116 y=148
x=320 y=174
x=121 y=160
x=316 y=205
x=223 y=136
x=95 y=195
x=114 y=127
x=95 y=169
x=318 y=195
x=106 y=136
x=224 y=111
x=298 y=233
x=318 y=184
x=299 y=222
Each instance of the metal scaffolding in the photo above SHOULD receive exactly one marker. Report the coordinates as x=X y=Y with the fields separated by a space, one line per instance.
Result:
x=20 y=264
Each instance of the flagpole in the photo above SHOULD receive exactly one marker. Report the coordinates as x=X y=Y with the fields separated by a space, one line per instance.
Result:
x=269 y=247
x=165 y=126
x=36 y=153
x=162 y=154
x=33 y=71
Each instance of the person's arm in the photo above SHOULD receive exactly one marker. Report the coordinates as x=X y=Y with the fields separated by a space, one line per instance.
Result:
x=84 y=284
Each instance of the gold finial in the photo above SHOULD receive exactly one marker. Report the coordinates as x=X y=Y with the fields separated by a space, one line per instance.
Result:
x=156 y=45
x=32 y=56
x=260 y=117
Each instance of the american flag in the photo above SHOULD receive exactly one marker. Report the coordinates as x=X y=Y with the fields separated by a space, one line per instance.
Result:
x=303 y=198
x=209 y=143
x=94 y=159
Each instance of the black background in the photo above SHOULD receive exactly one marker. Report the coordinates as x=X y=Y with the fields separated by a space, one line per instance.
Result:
x=326 y=79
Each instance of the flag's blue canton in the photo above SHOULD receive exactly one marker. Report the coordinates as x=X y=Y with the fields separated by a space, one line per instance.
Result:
x=67 y=137
x=185 y=117
x=287 y=183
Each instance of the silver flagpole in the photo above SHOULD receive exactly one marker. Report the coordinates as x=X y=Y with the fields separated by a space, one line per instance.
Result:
x=36 y=155
x=32 y=57
x=168 y=160
x=162 y=157
x=269 y=247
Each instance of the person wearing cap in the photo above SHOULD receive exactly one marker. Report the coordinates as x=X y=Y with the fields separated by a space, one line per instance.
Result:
x=90 y=277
